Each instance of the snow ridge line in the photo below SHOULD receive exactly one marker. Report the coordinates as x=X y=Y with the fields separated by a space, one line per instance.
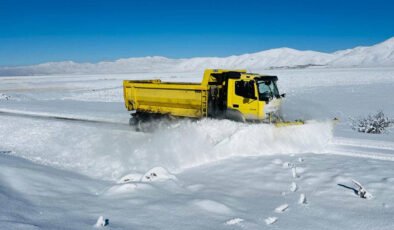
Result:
x=370 y=155
x=363 y=143
x=17 y=113
x=378 y=150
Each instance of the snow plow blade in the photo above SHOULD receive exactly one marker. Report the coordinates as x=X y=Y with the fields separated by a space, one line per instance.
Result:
x=288 y=123
x=298 y=122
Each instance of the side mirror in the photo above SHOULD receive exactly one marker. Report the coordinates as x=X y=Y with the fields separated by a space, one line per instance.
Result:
x=265 y=96
x=283 y=95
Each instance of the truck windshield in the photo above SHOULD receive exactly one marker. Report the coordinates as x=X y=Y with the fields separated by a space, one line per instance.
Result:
x=267 y=90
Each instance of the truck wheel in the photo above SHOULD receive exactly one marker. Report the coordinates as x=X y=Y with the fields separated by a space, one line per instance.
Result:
x=138 y=126
x=133 y=121
x=136 y=123
x=235 y=115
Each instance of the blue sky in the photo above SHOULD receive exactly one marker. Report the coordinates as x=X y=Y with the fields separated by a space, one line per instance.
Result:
x=36 y=31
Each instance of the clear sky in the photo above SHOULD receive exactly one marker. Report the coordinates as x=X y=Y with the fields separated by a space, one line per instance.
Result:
x=36 y=31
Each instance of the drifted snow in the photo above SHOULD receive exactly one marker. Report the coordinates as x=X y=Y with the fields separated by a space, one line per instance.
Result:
x=158 y=174
x=131 y=177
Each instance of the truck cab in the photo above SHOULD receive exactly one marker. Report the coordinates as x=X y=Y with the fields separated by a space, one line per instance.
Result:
x=249 y=96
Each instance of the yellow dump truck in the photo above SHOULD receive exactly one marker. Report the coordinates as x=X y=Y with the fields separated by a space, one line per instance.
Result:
x=229 y=94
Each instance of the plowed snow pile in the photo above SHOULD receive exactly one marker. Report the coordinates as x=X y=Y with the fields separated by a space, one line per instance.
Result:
x=194 y=143
x=109 y=153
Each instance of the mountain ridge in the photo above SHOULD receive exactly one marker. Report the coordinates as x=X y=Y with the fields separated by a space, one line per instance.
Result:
x=378 y=55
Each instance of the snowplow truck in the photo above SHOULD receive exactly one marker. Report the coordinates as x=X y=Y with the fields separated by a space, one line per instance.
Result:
x=225 y=94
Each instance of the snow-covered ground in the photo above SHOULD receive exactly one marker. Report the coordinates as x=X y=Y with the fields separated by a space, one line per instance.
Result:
x=59 y=173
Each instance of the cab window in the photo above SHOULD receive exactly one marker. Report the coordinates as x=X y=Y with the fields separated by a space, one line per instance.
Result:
x=245 y=89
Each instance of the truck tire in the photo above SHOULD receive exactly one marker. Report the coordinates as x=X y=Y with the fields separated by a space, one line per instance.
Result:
x=132 y=121
x=235 y=115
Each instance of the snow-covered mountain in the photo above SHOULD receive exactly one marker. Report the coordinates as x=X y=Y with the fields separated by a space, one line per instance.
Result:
x=381 y=54
x=282 y=57
x=378 y=55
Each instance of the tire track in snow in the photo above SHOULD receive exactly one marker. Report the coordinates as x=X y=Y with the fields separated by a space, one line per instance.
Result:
x=378 y=150
x=341 y=141
x=17 y=113
x=362 y=154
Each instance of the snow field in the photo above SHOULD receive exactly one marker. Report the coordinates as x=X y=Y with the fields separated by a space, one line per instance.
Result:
x=251 y=190
x=57 y=174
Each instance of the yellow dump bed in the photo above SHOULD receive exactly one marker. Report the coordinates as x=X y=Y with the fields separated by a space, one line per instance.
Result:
x=176 y=99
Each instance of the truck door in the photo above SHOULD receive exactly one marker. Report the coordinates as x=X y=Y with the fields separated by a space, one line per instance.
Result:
x=242 y=98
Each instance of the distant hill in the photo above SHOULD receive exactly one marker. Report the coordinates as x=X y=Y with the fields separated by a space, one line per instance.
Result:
x=378 y=55
x=381 y=54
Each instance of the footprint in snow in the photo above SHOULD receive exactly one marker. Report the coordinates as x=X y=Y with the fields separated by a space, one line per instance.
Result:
x=281 y=208
x=101 y=222
x=293 y=186
x=294 y=172
x=271 y=220
x=302 y=199
x=287 y=165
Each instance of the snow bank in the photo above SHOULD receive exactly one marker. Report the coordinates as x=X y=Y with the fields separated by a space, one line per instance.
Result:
x=111 y=152
x=212 y=206
x=195 y=143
